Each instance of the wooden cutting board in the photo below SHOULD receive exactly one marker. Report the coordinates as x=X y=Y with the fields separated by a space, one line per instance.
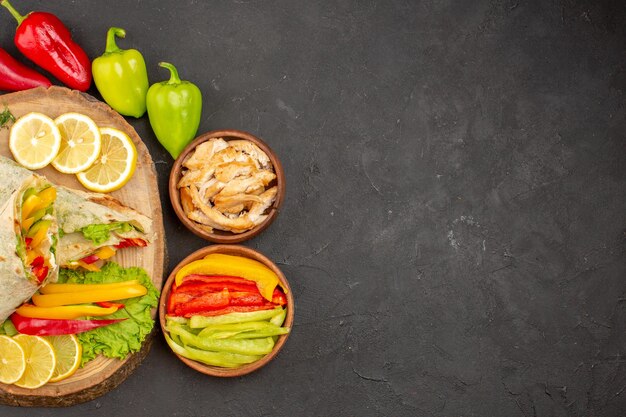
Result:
x=141 y=193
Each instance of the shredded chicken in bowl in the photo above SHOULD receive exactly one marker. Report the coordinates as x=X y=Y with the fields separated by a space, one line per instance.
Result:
x=225 y=185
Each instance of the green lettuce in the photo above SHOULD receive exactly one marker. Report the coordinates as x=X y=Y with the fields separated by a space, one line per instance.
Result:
x=119 y=339
x=100 y=233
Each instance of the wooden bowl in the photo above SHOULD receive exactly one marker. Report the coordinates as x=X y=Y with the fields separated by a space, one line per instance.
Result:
x=219 y=236
x=238 y=251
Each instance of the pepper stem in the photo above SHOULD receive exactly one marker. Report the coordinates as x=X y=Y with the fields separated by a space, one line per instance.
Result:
x=111 y=46
x=174 y=78
x=14 y=12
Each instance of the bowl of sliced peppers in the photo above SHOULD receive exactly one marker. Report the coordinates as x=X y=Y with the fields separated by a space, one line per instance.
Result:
x=226 y=310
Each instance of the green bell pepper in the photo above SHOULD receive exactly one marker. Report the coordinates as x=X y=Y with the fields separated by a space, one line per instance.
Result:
x=174 y=109
x=121 y=77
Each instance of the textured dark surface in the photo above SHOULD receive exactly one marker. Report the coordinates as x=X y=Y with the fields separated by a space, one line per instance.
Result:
x=456 y=200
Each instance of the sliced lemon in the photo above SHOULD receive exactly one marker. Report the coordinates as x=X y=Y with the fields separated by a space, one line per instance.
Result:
x=68 y=351
x=115 y=166
x=40 y=361
x=34 y=140
x=12 y=360
x=80 y=143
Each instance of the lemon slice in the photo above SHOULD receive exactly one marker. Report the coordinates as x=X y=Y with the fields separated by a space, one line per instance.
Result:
x=80 y=143
x=68 y=351
x=40 y=361
x=115 y=165
x=34 y=140
x=12 y=361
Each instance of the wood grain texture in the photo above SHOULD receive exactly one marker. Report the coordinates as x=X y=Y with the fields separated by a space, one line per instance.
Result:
x=141 y=193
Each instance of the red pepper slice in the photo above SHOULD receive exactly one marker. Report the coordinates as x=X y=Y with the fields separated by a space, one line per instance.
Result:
x=131 y=242
x=28 y=241
x=40 y=272
x=279 y=297
x=109 y=304
x=52 y=327
x=246 y=299
x=38 y=261
x=90 y=259
x=201 y=288
x=46 y=41
x=231 y=309
x=209 y=301
x=216 y=279
x=15 y=76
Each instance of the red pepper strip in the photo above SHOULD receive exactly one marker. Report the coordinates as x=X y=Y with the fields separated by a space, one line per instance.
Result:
x=109 y=304
x=28 y=241
x=46 y=41
x=52 y=327
x=38 y=261
x=90 y=259
x=279 y=297
x=246 y=299
x=40 y=272
x=210 y=301
x=15 y=76
x=231 y=309
x=216 y=278
x=130 y=242
x=201 y=288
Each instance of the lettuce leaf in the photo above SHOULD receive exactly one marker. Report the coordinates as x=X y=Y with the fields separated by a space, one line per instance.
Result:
x=119 y=339
x=100 y=233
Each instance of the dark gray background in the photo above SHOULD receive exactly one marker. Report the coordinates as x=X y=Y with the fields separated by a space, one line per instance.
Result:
x=456 y=200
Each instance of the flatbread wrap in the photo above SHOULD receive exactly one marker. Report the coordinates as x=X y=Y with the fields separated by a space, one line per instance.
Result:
x=91 y=226
x=28 y=235
x=94 y=226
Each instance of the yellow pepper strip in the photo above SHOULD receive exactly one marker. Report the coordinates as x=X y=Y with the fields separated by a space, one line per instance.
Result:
x=251 y=262
x=105 y=252
x=39 y=236
x=47 y=196
x=64 y=288
x=237 y=266
x=89 y=267
x=26 y=224
x=65 y=312
x=94 y=296
x=29 y=205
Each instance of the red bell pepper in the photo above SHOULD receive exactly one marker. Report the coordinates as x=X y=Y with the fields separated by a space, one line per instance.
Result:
x=90 y=259
x=46 y=41
x=51 y=327
x=131 y=242
x=109 y=304
x=15 y=76
x=209 y=301
x=201 y=288
x=199 y=294
x=246 y=299
x=40 y=272
x=38 y=261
